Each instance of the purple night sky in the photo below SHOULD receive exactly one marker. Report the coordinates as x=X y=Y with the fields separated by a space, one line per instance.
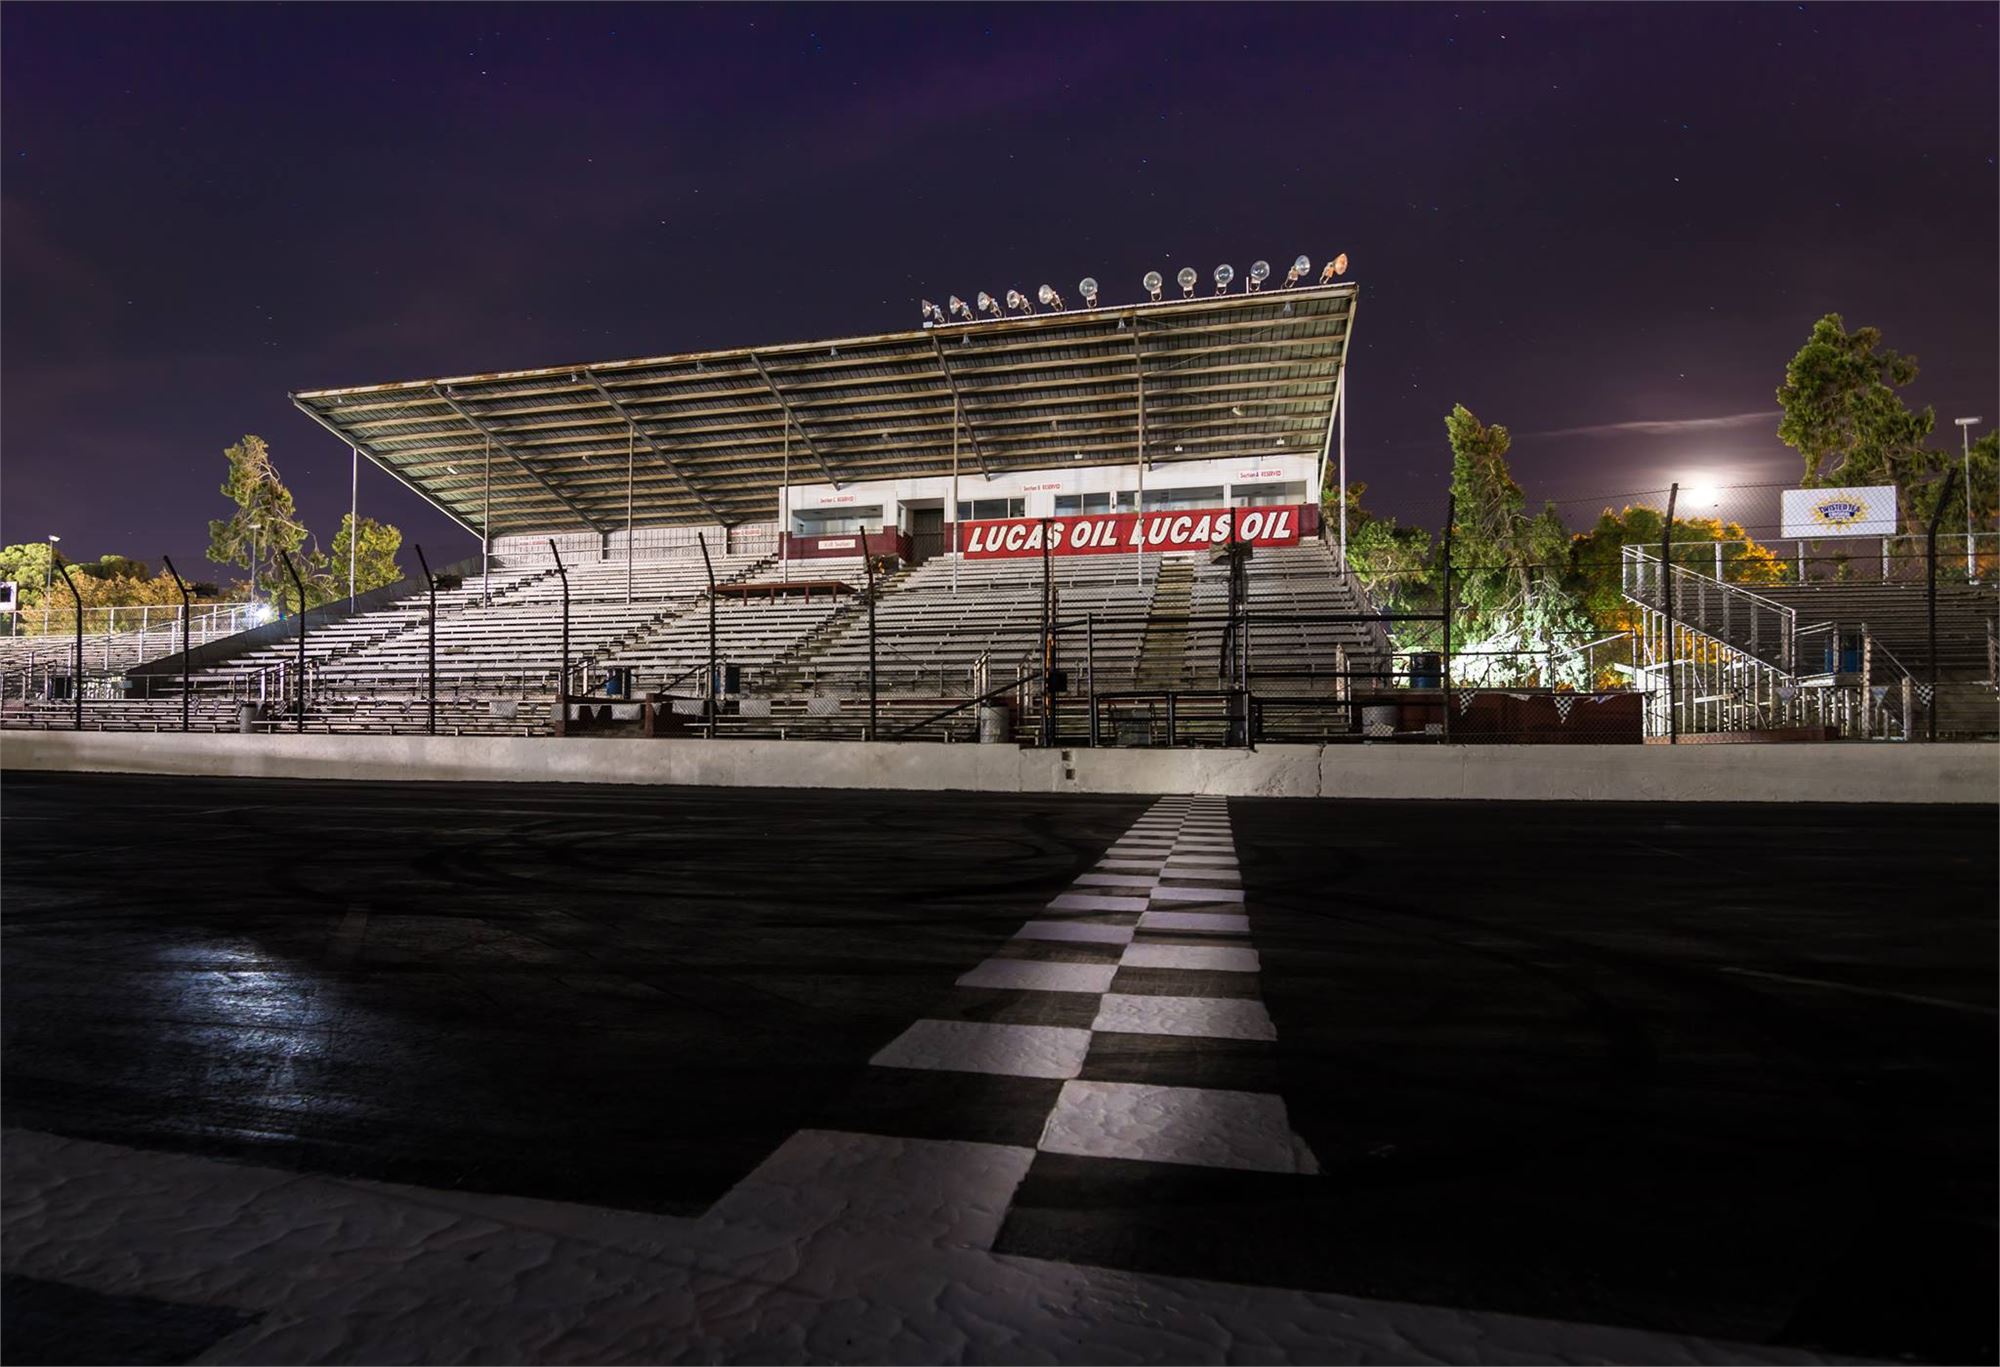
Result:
x=1607 y=227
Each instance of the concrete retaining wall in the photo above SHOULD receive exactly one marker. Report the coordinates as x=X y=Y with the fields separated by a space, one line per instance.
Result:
x=1612 y=773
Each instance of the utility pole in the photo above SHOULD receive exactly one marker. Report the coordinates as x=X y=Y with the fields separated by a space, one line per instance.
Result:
x=1965 y=426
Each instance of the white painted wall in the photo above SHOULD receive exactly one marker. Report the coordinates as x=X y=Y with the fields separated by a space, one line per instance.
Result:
x=1946 y=773
x=1040 y=487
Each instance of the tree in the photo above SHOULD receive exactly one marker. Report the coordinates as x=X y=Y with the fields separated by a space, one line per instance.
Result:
x=27 y=564
x=1392 y=562
x=1512 y=620
x=262 y=499
x=375 y=554
x=1842 y=413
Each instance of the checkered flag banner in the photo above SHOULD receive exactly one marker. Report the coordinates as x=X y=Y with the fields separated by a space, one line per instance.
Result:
x=1924 y=694
x=822 y=705
x=1464 y=703
x=1564 y=701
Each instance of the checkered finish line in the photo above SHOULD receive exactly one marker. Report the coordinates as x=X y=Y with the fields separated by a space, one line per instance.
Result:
x=1117 y=1010
x=1143 y=970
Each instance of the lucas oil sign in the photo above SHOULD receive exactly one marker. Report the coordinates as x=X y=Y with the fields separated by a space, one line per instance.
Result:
x=1114 y=533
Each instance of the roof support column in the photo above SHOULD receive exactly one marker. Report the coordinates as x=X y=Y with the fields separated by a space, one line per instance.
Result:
x=1139 y=499
x=955 y=420
x=785 y=511
x=486 y=531
x=631 y=439
x=1340 y=412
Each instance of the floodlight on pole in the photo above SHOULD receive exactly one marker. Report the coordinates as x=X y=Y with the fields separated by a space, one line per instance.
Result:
x=1019 y=302
x=1223 y=275
x=1087 y=287
x=931 y=314
x=1187 y=279
x=1301 y=267
x=988 y=304
x=1260 y=271
x=959 y=309
x=1050 y=299
x=1152 y=283
x=1965 y=426
x=1337 y=266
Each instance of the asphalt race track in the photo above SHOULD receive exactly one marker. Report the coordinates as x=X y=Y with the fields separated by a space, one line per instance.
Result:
x=1727 y=1072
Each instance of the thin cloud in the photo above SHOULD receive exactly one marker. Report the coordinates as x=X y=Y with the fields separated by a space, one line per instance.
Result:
x=1661 y=427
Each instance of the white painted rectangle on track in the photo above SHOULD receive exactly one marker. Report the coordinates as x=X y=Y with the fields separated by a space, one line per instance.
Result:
x=1210 y=958
x=1190 y=1125
x=1045 y=1051
x=1200 y=1017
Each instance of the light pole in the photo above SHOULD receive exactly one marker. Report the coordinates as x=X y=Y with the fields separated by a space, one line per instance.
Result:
x=253 y=569
x=48 y=581
x=1965 y=426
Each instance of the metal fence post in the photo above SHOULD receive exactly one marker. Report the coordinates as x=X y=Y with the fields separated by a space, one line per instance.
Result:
x=868 y=567
x=1930 y=598
x=430 y=650
x=715 y=684
x=299 y=716
x=1090 y=671
x=186 y=612
x=1667 y=608
x=1444 y=618
x=1048 y=639
x=76 y=677
x=562 y=683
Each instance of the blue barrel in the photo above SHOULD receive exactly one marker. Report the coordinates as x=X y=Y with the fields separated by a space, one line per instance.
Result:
x=1843 y=651
x=1427 y=670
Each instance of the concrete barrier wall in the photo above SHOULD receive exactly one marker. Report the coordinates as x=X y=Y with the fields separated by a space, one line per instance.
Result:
x=1576 y=773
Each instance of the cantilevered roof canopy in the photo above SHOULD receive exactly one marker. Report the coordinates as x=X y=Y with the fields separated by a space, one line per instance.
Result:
x=711 y=434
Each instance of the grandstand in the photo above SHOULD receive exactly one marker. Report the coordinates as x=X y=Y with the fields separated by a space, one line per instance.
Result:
x=852 y=531
x=783 y=471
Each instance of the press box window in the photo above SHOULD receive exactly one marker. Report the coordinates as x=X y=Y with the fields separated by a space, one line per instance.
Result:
x=836 y=521
x=1208 y=497
x=1269 y=495
x=980 y=509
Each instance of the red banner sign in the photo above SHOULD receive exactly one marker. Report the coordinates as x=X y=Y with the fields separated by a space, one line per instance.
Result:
x=1114 y=533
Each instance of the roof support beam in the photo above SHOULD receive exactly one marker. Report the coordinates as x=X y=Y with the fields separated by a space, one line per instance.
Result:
x=793 y=419
x=501 y=441
x=350 y=439
x=666 y=460
x=958 y=411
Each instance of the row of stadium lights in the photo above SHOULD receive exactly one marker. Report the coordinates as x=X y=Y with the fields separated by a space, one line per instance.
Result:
x=958 y=311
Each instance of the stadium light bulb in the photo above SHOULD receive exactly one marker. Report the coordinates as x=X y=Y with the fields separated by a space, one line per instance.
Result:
x=1260 y=271
x=1152 y=284
x=959 y=309
x=1050 y=299
x=1017 y=300
x=1301 y=267
x=931 y=313
x=1186 y=279
x=988 y=304
x=1223 y=275
x=1087 y=287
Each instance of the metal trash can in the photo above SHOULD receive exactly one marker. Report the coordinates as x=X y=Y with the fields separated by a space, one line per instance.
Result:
x=246 y=718
x=1427 y=669
x=618 y=682
x=996 y=725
